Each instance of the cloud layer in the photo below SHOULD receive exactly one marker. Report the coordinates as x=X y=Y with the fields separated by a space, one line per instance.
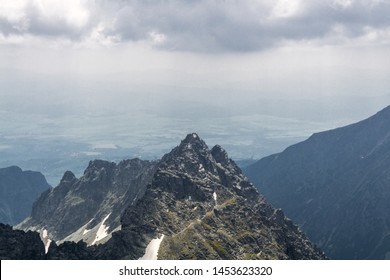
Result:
x=197 y=26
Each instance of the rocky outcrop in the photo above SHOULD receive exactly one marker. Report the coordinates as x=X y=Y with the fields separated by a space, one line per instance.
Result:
x=19 y=189
x=202 y=207
x=71 y=251
x=20 y=245
x=90 y=208
x=335 y=185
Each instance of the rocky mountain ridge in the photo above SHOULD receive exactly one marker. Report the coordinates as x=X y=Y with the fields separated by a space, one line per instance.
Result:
x=200 y=206
x=196 y=205
x=89 y=208
x=335 y=185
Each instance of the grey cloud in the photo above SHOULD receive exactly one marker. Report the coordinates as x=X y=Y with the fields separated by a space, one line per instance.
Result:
x=7 y=27
x=33 y=21
x=239 y=26
x=214 y=26
x=51 y=27
x=204 y=26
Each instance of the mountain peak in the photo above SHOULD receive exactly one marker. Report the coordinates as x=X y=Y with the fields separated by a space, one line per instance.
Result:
x=191 y=149
x=191 y=136
x=98 y=164
x=192 y=158
x=192 y=140
x=68 y=177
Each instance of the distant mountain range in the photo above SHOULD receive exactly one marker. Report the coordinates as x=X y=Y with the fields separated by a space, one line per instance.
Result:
x=336 y=186
x=194 y=203
x=19 y=189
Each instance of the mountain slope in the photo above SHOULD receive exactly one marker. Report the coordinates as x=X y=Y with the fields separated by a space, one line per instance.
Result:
x=18 y=190
x=336 y=186
x=200 y=206
x=89 y=208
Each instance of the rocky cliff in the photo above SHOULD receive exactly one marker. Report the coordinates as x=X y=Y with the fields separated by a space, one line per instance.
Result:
x=89 y=208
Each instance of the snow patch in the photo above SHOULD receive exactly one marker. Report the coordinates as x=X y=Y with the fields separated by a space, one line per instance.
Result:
x=201 y=168
x=102 y=232
x=151 y=250
x=47 y=245
x=194 y=135
x=45 y=239
x=215 y=196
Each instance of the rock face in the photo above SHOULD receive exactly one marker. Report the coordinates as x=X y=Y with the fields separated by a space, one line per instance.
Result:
x=89 y=208
x=20 y=245
x=336 y=186
x=18 y=191
x=71 y=251
x=200 y=206
x=196 y=205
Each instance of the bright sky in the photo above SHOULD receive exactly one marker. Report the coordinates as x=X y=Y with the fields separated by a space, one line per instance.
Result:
x=236 y=72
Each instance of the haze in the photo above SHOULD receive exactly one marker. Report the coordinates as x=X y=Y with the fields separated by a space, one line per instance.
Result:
x=252 y=76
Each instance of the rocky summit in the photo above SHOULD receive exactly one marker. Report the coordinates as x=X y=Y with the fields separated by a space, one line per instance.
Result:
x=200 y=206
x=196 y=205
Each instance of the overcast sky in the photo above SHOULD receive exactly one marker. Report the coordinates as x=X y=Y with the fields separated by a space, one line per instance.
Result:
x=237 y=68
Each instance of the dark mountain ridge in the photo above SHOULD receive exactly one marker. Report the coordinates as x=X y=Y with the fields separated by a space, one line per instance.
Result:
x=18 y=190
x=336 y=186
x=20 y=245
